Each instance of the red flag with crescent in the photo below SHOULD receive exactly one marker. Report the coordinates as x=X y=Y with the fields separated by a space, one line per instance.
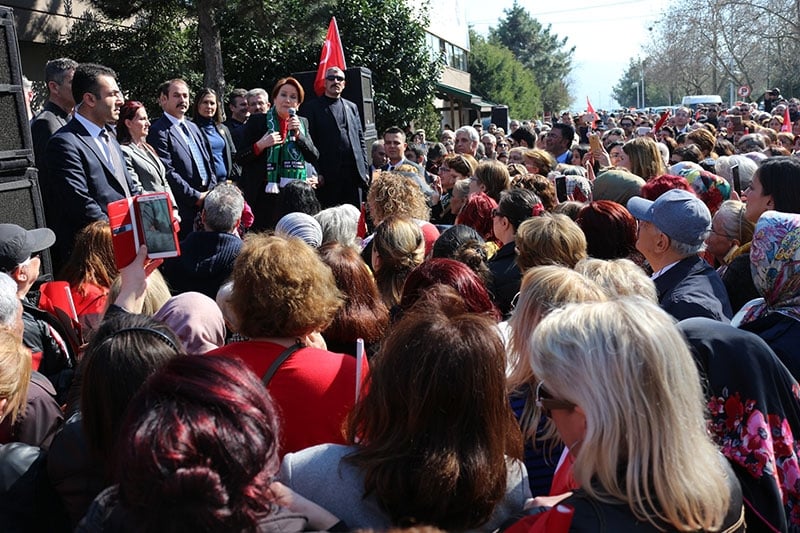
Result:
x=332 y=56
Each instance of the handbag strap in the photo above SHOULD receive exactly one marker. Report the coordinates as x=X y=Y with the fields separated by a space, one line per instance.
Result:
x=276 y=364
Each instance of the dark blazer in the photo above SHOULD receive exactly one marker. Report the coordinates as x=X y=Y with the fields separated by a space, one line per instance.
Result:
x=506 y=277
x=335 y=164
x=180 y=169
x=43 y=126
x=693 y=288
x=254 y=167
x=80 y=182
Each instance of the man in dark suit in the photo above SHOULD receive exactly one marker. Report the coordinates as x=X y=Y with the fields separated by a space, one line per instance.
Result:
x=58 y=77
x=85 y=166
x=335 y=128
x=237 y=115
x=394 y=142
x=183 y=151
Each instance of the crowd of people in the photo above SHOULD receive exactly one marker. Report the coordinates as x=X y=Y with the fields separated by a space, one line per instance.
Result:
x=588 y=325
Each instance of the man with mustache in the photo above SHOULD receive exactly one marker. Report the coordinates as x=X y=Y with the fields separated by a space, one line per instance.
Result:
x=184 y=152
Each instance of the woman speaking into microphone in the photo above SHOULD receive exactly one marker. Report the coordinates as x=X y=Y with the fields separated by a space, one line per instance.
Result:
x=276 y=148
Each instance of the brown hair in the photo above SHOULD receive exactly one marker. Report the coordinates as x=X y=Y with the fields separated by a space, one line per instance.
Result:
x=92 y=258
x=464 y=164
x=440 y=374
x=645 y=158
x=494 y=177
x=281 y=288
x=363 y=314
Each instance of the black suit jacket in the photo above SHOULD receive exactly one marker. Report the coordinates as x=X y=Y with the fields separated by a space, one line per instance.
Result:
x=693 y=288
x=79 y=181
x=324 y=131
x=181 y=171
x=43 y=126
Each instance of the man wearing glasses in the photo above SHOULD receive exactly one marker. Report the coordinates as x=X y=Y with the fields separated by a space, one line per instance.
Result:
x=335 y=127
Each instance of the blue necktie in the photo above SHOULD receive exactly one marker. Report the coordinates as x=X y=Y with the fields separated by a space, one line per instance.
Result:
x=197 y=155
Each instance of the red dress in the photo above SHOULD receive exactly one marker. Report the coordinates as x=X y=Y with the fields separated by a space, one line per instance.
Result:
x=314 y=390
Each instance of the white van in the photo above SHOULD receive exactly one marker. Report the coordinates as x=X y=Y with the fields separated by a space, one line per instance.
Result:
x=695 y=100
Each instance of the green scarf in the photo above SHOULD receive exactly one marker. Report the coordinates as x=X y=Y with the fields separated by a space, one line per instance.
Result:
x=285 y=162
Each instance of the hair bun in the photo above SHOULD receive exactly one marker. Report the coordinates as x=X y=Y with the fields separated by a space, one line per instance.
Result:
x=197 y=486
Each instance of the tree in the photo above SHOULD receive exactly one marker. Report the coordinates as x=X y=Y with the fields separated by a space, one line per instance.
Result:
x=499 y=77
x=540 y=50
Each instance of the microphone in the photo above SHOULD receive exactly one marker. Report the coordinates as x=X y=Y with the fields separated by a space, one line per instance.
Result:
x=292 y=134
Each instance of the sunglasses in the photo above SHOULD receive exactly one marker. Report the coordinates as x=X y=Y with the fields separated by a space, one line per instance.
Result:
x=334 y=78
x=547 y=403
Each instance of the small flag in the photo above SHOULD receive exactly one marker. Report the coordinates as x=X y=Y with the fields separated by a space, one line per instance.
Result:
x=361 y=231
x=787 y=121
x=332 y=56
x=590 y=109
x=661 y=121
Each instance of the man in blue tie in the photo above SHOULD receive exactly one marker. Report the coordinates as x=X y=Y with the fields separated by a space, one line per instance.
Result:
x=184 y=152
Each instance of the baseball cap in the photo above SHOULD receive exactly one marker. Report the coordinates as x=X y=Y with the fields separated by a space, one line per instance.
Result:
x=17 y=244
x=677 y=213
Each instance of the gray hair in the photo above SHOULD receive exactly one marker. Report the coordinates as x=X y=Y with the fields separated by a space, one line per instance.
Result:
x=258 y=91
x=747 y=167
x=469 y=130
x=9 y=301
x=223 y=207
x=462 y=187
x=686 y=250
x=734 y=224
x=56 y=69
x=618 y=277
x=752 y=142
x=339 y=224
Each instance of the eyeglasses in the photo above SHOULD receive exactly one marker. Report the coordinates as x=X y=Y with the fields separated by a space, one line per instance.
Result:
x=547 y=403
x=502 y=145
x=626 y=124
x=334 y=78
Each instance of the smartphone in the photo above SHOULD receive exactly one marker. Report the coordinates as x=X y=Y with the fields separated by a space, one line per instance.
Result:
x=737 y=182
x=561 y=188
x=595 y=144
x=155 y=219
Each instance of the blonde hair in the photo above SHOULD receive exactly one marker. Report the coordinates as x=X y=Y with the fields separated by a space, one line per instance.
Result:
x=543 y=289
x=541 y=159
x=551 y=239
x=391 y=193
x=15 y=374
x=619 y=277
x=645 y=158
x=399 y=243
x=156 y=294
x=627 y=367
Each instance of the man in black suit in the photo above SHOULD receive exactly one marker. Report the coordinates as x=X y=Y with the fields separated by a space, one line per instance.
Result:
x=335 y=128
x=85 y=165
x=394 y=142
x=58 y=77
x=183 y=151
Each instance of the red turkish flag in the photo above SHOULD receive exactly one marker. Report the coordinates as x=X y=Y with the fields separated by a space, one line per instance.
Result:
x=590 y=109
x=332 y=55
x=787 y=121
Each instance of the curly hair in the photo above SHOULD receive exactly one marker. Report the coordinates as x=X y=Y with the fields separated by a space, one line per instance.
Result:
x=543 y=187
x=392 y=193
x=281 y=288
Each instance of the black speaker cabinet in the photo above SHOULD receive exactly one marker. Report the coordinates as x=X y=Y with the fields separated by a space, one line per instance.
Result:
x=16 y=147
x=358 y=90
x=21 y=204
x=500 y=117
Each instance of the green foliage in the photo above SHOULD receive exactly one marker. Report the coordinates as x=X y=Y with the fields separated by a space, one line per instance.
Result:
x=158 y=46
x=499 y=77
x=624 y=92
x=540 y=51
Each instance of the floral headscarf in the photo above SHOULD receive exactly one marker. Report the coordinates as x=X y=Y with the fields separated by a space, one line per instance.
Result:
x=710 y=188
x=754 y=417
x=775 y=266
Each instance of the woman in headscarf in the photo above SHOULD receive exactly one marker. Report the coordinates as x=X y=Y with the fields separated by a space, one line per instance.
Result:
x=775 y=266
x=750 y=395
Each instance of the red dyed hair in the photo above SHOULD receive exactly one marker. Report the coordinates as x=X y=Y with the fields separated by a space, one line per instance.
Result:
x=477 y=214
x=454 y=274
x=609 y=228
x=661 y=184
x=126 y=112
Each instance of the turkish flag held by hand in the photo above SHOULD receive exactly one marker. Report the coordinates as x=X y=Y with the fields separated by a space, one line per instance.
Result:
x=332 y=56
x=590 y=109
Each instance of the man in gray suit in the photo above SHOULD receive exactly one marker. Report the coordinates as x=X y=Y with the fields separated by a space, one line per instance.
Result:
x=335 y=128
x=58 y=77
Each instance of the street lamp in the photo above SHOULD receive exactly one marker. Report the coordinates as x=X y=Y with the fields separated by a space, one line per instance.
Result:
x=636 y=85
